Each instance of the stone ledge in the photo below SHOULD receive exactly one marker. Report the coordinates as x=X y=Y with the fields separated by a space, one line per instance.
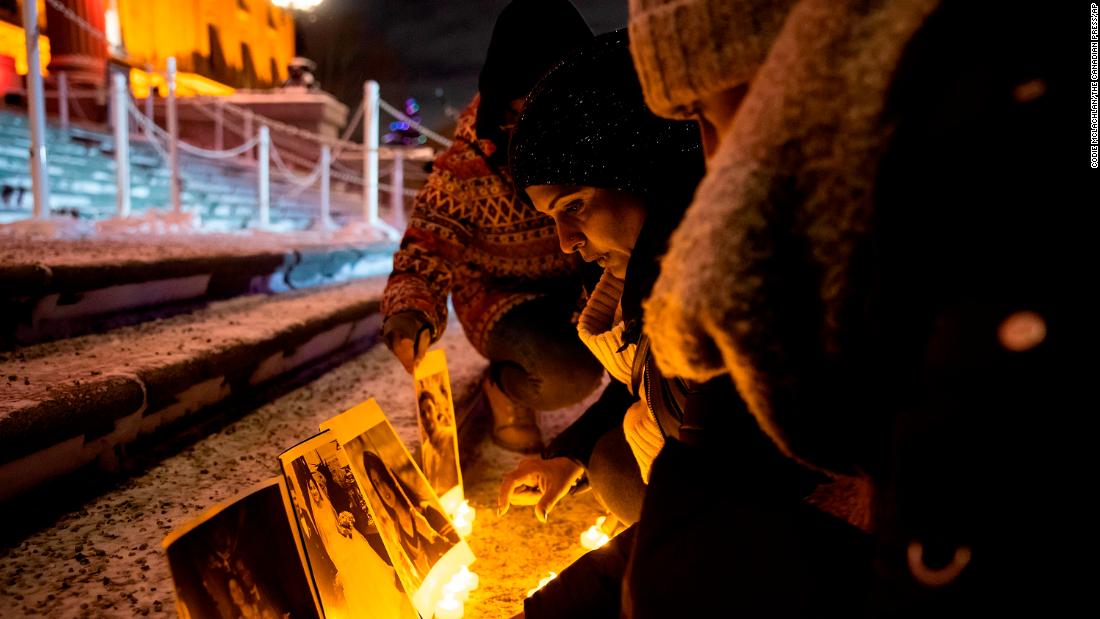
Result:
x=50 y=297
x=76 y=402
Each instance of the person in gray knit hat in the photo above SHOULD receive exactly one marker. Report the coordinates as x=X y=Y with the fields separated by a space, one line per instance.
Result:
x=866 y=260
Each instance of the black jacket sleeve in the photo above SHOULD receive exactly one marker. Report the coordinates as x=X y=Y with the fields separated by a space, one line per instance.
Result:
x=576 y=441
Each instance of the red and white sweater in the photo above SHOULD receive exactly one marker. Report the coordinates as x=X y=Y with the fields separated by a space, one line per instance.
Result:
x=470 y=236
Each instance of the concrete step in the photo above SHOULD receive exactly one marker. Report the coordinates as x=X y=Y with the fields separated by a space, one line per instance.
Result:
x=52 y=288
x=100 y=550
x=65 y=405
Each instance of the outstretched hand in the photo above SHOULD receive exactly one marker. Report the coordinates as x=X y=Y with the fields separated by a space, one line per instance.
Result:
x=408 y=336
x=538 y=482
x=410 y=354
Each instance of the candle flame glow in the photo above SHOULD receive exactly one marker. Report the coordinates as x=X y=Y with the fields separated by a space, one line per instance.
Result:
x=542 y=583
x=463 y=519
x=449 y=608
x=468 y=579
x=594 y=537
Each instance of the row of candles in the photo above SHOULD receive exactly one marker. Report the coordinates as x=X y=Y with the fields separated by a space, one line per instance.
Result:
x=453 y=603
x=457 y=590
x=593 y=537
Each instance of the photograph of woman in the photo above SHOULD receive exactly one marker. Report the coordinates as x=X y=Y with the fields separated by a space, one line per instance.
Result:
x=364 y=584
x=421 y=529
x=420 y=541
x=438 y=449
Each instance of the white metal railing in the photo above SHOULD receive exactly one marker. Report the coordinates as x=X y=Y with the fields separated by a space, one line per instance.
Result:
x=254 y=129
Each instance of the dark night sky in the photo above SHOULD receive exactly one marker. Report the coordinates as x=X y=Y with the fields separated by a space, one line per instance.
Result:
x=413 y=47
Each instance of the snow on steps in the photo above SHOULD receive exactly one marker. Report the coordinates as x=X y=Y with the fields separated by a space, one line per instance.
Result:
x=67 y=404
x=73 y=278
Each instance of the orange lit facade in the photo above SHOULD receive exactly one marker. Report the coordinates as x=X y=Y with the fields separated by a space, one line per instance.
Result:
x=219 y=45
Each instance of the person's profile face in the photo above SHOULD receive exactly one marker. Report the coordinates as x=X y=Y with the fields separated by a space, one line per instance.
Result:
x=601 y=225
x=314 y=491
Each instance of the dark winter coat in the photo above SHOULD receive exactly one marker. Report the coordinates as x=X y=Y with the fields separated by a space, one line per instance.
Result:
x=978 y=239
x=717 y=470
x=883 y=255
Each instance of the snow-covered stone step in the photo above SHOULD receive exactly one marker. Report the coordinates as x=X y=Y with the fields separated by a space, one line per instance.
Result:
x=73 y=403
x=53 y=288
x=100 y=556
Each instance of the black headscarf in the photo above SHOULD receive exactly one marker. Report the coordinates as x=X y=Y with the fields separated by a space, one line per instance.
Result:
x=587 y=124
x=529 y=38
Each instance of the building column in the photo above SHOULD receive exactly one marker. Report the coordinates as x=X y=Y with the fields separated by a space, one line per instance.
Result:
x=77 y=52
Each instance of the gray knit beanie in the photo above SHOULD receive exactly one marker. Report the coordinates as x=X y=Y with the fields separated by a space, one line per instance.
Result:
x=685 y=50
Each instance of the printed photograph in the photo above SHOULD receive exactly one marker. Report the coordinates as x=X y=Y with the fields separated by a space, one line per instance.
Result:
x=438 y=428
x=346 y=555
x=422 y=543
x=240 y=560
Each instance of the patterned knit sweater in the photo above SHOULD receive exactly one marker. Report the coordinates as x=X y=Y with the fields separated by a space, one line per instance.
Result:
x=470 y=236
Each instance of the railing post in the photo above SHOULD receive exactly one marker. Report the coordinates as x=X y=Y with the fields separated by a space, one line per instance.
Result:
x=326 y=163
x=36 y=110
x=265 y=177
x=397 y=195
x=149 y=102
x=174 y=136
x=219 y=124
x=119 y=94
x=370 y=152
x=63 y=99
x=248 y=131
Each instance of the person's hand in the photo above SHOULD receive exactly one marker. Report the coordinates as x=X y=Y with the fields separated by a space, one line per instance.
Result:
x=408 y=337
x=538 y=482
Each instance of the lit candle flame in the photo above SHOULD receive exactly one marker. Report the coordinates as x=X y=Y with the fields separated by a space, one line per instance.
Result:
x=468 y=579
x=594 y=537
x=463 y=519
x=455 y=589
x=542 y=583
x=449 y=608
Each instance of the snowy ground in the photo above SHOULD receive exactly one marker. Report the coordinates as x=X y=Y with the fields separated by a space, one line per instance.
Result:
x=104 y=558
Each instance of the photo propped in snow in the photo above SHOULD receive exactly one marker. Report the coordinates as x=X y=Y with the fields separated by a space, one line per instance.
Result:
x=425 y=549
x=438 y=429
x=346 y=555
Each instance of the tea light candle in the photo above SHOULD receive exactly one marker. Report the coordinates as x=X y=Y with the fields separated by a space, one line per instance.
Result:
x=448 y=608
x=594 y=537
x=542 y=583
x=464 y=519
x=456 y=589
x=468 y=579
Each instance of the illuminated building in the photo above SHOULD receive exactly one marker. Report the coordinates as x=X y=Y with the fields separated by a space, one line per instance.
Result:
x=220 y=45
